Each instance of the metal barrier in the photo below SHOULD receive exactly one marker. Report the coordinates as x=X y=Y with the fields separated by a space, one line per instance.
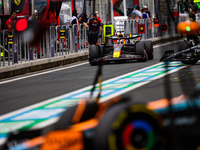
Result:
x=132 y=26
x=57 y=41
x=66 y=40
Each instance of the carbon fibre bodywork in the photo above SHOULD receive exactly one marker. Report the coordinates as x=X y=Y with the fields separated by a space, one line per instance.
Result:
x=120 y=49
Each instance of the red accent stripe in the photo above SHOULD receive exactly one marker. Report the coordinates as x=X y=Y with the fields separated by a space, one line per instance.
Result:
x=127 y=135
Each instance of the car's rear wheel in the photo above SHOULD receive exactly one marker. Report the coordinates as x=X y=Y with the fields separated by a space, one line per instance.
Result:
x=140 y=49
x=193 y=60
x=128 y=126
x=149 y=48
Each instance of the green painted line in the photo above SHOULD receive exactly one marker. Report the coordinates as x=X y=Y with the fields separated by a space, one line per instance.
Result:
x=60 y=104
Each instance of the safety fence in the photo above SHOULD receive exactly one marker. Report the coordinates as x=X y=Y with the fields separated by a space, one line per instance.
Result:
x=57 y=41
x=147 y=28
x=66 y=40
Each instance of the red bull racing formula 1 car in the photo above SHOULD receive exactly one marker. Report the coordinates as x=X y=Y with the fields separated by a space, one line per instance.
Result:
x=121 y=48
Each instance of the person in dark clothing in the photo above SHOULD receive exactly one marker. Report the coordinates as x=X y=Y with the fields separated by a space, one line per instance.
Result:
x=82 y=18
x=192 y=13
x=94 y=26
x=52 y=16
x=74 y=19
x=192 y=17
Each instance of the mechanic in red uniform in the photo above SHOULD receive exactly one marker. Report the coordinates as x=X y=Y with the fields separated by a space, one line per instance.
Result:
x=52 y=16
x=94 y=26
x=10 y=23
x=97 y=13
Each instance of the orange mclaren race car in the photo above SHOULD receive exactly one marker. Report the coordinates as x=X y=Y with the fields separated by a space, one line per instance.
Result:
x=118 y=124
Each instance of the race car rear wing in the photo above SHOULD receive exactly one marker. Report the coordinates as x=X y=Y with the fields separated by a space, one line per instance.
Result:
x=124 y=36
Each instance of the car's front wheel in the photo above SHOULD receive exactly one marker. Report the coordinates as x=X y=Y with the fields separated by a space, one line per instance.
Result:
x=94 y=52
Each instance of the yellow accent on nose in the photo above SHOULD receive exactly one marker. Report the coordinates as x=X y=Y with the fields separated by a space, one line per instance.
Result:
x=116 y=54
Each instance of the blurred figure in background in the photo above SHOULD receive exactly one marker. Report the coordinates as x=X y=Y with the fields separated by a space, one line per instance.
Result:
x=97 y=14
x=192 y=17
x=136 y=13
x=38 y=45
x=192 y=13
x=94 y=25
x=10 y=23
x=35 y=15
x=82 y=18
x=147 y=11
x=144 y=14
x=74 y=19
x=52 y=16
x=175 y=13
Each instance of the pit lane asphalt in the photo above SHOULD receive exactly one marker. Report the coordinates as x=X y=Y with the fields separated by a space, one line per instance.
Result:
x=21 y=93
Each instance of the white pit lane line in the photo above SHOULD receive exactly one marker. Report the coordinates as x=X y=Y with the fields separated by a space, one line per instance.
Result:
x=42 y=73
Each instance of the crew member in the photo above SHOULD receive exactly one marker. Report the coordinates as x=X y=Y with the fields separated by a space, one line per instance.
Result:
x=82 y=18
x=148 y=11
x=175 y=13
x=144 y=14
x=94 y=26
x=97 y=14
x=52 y=16
x=74 y=19
x=10 y=23
x=35 y=16
x=192 y=14
x=192 y=17
x=136 y=13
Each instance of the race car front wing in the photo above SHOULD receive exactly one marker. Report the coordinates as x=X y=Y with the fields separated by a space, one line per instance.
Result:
x=122 y=57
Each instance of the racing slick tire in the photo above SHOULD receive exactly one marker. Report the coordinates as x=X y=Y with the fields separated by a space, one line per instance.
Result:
x=140 y=49
x=127 y=126
x=149 y=48
x=94 y=52
x=184 y=46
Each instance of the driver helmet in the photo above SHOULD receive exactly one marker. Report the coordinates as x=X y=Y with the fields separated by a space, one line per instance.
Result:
x=120 y=41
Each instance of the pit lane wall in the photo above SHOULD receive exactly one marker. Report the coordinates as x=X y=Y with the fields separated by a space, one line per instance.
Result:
x=61 y=46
